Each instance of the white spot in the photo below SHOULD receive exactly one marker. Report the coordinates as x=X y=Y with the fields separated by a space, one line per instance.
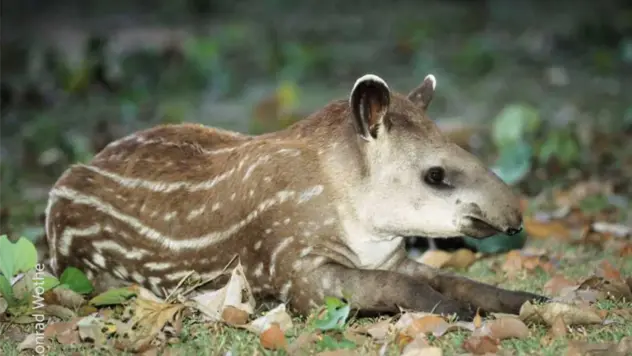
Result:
x=286 y=221
x=98 y=259
x=259 y=270
x=268 y=231
x=285 y=289
x=138 y=278
x=121 y=272
x=216 y=207
x=296 y=265
x=306 y=251
x=267 y=179
x=276 y=223
x=329 y=221
x=232 y=196
x=258 y=244
x=326 y=282
x=259 y=161
x=251 y=192
x=170 y=215
x=89 y=264
x=158 y=266
x=310 y=193
x=196 y=212
x=177 y=276
x=285 y=243
x=267 y=286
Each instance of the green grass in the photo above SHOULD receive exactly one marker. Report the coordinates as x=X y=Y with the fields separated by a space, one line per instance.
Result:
x=576 y=262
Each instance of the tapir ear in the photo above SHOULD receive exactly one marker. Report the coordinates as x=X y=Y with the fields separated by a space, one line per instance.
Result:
x=422 y=95
x=369 y=101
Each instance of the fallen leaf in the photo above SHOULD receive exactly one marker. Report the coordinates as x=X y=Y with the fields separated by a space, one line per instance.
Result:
x=504 y=328
x=59 y=311
x=34 y=342
x=234 y=316
x=276 y=315
x=64 y=332
x=461 y=259
x=90 y=330
x=558 y=328
x=302 y=341
x=480 y=345
x=435 y=258
x=378 y=331
x=546 y=313
x=546 y=229
x=584 y=348
x=611 y=289
x=273 y=338
x=64 y=297
x=151 y=316
x=427 y=324
x=478 y=321
x=607 y=271
x=556 y=284
x=213 y=303
x=419 y=347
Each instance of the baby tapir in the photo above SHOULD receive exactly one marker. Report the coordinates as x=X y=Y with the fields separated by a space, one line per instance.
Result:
x=319 y=209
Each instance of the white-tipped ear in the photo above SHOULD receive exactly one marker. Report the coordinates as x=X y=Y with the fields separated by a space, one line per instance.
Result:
x=369 y=100
x=422 y=95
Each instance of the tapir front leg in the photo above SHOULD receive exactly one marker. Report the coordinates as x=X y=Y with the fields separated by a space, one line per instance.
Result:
x=484 y=296
x=373 y=291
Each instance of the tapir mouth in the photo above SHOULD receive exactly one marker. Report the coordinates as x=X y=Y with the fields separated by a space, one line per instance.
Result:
x=476 y=227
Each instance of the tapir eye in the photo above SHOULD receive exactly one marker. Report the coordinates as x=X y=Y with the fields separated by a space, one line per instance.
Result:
x=435 y=176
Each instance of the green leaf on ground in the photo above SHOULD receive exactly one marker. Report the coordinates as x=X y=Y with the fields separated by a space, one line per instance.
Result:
x=17 y=257
x=6 y=290
x=113 y=296
x=76 y=280
x=49 y=283
x=335 y=316
x=498 y=243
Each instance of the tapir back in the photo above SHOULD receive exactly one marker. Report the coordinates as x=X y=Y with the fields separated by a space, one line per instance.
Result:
x=153 y=206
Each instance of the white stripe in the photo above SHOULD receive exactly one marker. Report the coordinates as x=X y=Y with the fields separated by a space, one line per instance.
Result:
x=171 y=242
x=158 y=266
x=158 y=186
x=276 y=251
x=69 y=234
x=134 y=254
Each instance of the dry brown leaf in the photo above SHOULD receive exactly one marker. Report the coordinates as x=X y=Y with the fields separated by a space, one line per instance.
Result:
x=234 y=316
x=556 y=284
x=611 y=289
x=435 y=258
x=517 y=261
x=64 y=332
x=418 y=346
x=213 y=303
x=407 y=318
x=558 y=329
x=277 y=315
x=606 y=270
x=59 y=311
x=480 y=345
x=151 y=316
x=378 y=331
x=584 y=348
x=546 y=229
x=34 y=342
x=478 y=321
x=65 y=297
x=90 y=330
x=461 y=259
x=427 y=324
x=504 y=328
x=571 y=314
x=273 y=338
x=302 y=342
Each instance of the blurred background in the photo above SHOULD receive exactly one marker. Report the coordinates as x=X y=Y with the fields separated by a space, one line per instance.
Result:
x=540 y=90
